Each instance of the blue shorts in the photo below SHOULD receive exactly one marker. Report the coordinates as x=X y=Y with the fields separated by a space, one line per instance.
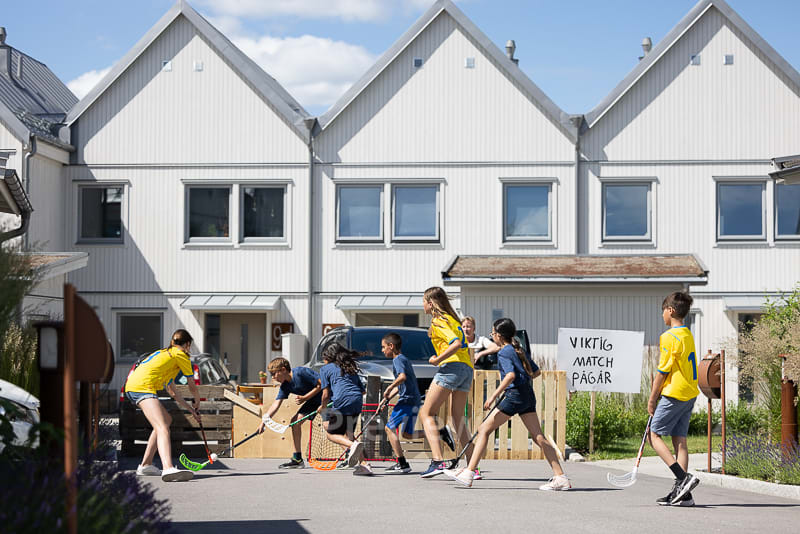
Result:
x=405 y=415
x=518 y=401
x=455 y=376
x=672 y=417
x=136 y=398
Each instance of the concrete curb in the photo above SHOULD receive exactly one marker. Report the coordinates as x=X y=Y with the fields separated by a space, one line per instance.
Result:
x=747 y=484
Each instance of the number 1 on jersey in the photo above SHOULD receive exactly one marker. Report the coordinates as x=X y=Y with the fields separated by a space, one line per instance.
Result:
x=694 y=365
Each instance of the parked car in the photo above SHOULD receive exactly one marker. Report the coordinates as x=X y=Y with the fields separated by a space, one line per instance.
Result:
x=24 y=415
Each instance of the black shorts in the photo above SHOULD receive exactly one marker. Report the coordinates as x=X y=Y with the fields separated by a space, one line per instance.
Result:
x=518 y=401
x=310 y=405
x=341 y=424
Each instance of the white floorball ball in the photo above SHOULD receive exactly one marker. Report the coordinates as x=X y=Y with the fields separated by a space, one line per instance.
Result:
x=214 y=457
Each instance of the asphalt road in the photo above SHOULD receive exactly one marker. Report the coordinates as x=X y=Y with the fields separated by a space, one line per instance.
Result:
x=237 y=495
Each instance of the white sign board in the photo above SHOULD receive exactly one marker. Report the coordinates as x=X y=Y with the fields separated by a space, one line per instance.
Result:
x=601 y=360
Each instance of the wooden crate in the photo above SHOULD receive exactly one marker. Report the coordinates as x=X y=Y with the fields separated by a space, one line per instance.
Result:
x=216 y=413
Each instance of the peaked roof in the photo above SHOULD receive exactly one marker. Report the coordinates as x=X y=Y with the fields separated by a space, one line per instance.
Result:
x=269 y=89
x=554 y=113
x=673 y=37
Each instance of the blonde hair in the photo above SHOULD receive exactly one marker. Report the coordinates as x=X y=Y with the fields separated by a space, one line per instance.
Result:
x=277 y=364
x=440 y=303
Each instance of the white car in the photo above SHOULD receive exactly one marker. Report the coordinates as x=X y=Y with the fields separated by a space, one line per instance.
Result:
x=28 y=412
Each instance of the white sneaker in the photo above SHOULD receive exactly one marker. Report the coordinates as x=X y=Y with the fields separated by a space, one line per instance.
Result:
x=465 y=477
x=557 y=483
x=354 y=456
x=364 y=470
x=176 y=475
x=453 y=473
x=148 y=471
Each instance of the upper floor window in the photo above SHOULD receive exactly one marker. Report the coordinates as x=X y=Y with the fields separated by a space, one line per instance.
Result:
x=740 y=210
x=208 y=213
x=415 y=213
x=262 y=213
x=101 y=213
x=627 y=211
x=527 y=212
x=359 y=213
x=787 y=211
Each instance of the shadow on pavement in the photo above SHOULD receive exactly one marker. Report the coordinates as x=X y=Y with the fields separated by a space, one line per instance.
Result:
x=199 y=475
x=284 y=526
x=747 y=505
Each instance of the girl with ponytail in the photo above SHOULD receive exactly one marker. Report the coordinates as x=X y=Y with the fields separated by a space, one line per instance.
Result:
x=517 y=372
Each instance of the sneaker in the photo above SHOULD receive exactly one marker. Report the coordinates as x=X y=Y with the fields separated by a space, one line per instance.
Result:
x=446 y=435
x=363 y=470
x=342 y=465
x=452 y=473
x=148 y=471
x=293 y=464
x=557 y=483
x=465 y=477
x=666 y=500
x=398 y=469
x=477 y=475
x=437 y=467
x=686 y=485
x=686 y=500
x=355 y=453
x=174 y=474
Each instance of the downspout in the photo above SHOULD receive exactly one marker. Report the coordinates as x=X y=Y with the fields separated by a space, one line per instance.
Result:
x=577 y=121
x=310 y=123
x=28 y=156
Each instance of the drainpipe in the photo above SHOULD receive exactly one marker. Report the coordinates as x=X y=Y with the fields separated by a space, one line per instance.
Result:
x=310 y=123
x=28 y=156
x=577 y=121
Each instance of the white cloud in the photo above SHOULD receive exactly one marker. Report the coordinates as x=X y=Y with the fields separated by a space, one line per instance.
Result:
x=84 y=83
x=350 y=10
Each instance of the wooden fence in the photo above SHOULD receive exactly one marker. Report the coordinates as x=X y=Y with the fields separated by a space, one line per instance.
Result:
x=216 y=413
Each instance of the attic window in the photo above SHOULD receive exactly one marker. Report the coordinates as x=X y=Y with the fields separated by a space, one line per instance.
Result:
x=469 y=62
x=417 y=62
x=727 y=59
x=166 y=66
x=694 y=59
x=198 y=66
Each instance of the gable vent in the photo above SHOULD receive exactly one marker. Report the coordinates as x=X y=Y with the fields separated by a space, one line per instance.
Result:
x=417 y=62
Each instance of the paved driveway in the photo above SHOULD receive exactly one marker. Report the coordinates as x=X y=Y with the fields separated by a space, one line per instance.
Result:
x=254 y=496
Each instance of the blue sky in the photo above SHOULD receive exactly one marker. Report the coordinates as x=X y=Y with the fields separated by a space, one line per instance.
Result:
x=576 y=52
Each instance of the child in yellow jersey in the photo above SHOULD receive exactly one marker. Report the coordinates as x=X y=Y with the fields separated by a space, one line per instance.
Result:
x=453 y=379
x=672 y=397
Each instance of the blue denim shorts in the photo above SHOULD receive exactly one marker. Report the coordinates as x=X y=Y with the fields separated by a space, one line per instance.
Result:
x=136 y=398
x=672 y=417
x=455 y=376
x=404 y=416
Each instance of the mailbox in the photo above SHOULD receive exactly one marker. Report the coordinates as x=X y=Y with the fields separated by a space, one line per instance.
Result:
x=709 y=376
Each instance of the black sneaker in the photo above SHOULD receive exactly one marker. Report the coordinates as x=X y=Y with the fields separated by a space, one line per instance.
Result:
x=398 y=469
x=686 y=500
x=437 y=467
x=446 y=435
x=686 y=485
x=667 y=499
x=293 y=464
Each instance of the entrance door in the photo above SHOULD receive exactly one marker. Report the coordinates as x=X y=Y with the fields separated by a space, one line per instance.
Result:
x=243 y=343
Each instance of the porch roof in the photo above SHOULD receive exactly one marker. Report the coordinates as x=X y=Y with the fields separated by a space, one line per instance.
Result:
x=231 y=302
x=380 y=302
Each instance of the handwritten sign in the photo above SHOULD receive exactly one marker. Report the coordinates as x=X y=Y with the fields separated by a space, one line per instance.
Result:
x=601 y=360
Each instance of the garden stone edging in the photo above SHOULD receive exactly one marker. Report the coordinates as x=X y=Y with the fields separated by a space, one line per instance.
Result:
x=747 y=484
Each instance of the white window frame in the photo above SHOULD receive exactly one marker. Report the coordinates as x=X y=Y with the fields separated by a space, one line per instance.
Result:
x=187 y=212
x=780 y=237
x=368 y=239
x=267 y=240
x=649 y=237
x=123 y=211
x=120 y=314
x=741 y=181
x=551 y=194
x=436 y=238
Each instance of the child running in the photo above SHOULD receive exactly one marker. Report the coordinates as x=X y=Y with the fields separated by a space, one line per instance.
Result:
x=404 y=414
x=517 y=372
x=341 y=384
x=302 y=382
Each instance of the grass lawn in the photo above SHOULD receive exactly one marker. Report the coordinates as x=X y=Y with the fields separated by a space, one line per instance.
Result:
x=627 y=448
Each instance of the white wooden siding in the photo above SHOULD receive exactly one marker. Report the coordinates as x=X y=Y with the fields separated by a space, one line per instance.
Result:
x=183 y=116
x=710 y=111
x=443 y=111
x=47 y=192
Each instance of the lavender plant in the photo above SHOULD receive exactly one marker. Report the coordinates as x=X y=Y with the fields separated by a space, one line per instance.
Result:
x=759 y=458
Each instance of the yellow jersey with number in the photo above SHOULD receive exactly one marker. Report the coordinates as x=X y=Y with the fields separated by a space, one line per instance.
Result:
x=158 y=369
x=679 y=363
x=443 y=331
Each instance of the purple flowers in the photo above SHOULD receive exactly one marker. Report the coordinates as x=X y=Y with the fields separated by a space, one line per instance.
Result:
x=759 y=458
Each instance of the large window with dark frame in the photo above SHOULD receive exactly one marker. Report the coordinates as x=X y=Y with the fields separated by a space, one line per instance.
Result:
x=787 y=211
x=527 y=212
x=263 y=213
x=139 y=333
x=359 y=213
x=208 y=213
x=627 y=211
x=415 y=213
x=740 y=211
x=101 y=213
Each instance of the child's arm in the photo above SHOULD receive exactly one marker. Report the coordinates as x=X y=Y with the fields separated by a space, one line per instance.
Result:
x=446 y=353
x=326 y=397
x=490 y=349
x=503 y=385
x=276 y=404
x=310 y=395
x=655 y=392
x=389 y=393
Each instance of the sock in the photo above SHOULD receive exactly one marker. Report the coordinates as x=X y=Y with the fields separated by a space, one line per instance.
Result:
x=678 y=471
x=297 y=456
x=402 y=461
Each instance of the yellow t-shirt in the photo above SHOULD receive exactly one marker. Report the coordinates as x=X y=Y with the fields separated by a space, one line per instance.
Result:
x=444 y=330
x=158 y=369
x=679 y=362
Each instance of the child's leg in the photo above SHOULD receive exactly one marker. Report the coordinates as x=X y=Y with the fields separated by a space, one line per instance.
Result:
x=531 y=422
x=681 y=451
x=297 y=433
x=487 y=428
x=457 y=405
x=394 y=441
x=661 y=448
x=160 y=420
x=433 y=401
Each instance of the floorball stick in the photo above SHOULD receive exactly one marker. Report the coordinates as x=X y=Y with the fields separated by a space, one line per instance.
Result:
x=197 y=466
x=280 y=428
x=454 y=461
x=629 y=479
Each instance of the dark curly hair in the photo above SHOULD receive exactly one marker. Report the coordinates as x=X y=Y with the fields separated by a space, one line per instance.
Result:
x=344 y=358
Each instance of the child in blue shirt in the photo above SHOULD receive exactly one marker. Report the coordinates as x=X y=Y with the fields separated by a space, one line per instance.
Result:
x=302 y=382
x=341 y=384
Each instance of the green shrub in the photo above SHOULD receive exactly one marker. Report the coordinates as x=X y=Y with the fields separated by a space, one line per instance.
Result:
x=18 y=363
x=698 y=422
x=744 y=418
x=610 y=420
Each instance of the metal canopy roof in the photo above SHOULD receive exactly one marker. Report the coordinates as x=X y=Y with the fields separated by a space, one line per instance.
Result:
x=231 y=302
x=745 y=304
x=380 y=302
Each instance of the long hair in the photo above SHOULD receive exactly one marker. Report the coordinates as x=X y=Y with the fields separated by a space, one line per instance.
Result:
x=180 y=337
x=343 y=358
x=441 y=304
x=506 y=329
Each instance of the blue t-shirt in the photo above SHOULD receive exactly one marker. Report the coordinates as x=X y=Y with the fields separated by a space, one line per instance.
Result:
x=408 y=390
x=303 y=380
x=508 y=361
x=346 y=390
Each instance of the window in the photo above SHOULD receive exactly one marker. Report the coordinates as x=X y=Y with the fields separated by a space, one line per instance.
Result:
x=527 y=212
x=213 y=331
x=359 y=213
x=787 y=211
x=101 y=213
x=208 y=213
x=262 y=213
x=387 y=319
x=415 y=213
x=139 y=333
x=627 y=212
x=740 y=211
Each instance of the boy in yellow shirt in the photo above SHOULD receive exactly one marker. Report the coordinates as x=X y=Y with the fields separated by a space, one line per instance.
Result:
x=672 y=397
